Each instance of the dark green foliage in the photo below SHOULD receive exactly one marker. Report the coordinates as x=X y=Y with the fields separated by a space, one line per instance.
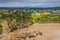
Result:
x=1 y=29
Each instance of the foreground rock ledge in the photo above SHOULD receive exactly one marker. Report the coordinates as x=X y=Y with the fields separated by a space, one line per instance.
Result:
x=38 y=31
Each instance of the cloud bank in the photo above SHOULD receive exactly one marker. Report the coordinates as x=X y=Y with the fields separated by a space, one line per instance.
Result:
x=29 y=3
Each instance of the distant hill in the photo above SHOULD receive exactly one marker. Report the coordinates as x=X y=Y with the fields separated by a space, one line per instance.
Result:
x=51 y=8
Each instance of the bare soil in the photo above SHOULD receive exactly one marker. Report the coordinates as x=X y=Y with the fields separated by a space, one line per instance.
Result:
x=39 y=31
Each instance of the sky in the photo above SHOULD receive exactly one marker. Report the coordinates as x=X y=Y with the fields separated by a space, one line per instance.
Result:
x=29 y=3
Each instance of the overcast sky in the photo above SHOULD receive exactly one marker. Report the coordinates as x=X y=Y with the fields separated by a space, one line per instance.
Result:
x=29 y=3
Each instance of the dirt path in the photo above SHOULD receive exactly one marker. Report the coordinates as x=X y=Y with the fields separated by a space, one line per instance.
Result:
x=46 y=26
x=49 y=30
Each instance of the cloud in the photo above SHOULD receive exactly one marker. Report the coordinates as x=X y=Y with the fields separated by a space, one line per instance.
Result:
x=6 y=1
x=29 y=3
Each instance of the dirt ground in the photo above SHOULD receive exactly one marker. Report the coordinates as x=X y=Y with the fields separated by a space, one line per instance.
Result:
x=47 y=31
x=50 y=31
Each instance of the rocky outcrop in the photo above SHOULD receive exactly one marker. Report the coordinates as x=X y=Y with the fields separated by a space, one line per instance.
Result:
x=5 y=26
x=23 y=35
